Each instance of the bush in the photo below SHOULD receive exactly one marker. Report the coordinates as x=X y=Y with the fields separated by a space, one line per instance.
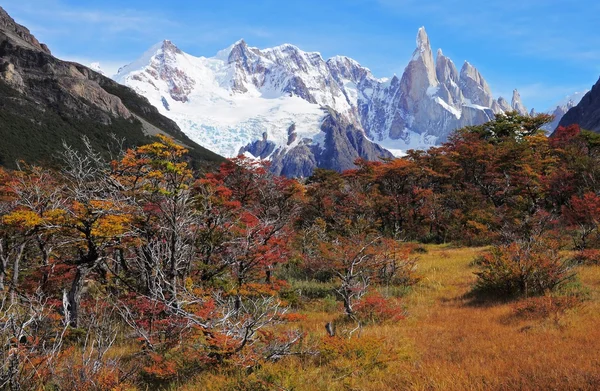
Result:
x=375 y=308
x=522 y=269
x=545 y=306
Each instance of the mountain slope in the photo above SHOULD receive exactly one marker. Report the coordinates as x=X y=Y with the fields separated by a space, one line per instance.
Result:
x=587 y=112
x=45 y=101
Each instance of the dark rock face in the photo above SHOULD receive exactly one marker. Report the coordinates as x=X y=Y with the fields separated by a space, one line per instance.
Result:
x=300 y=161
x=292 y=135
x=343 y=144
x=587 y=113
x=260 y=148
x=46 y=101
x=297 y=87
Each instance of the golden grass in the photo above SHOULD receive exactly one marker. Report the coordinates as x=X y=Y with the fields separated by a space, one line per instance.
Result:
x=446 y=343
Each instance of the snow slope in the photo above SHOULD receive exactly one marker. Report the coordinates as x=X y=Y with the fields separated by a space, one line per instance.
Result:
x=200 y=94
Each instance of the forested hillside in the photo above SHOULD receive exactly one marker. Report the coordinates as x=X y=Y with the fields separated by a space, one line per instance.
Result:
x=141 y=273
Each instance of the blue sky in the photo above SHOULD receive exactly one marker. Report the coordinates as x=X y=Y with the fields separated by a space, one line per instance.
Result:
x=545 y=48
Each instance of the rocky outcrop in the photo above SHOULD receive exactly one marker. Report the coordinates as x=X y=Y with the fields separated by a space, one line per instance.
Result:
x=47 y=80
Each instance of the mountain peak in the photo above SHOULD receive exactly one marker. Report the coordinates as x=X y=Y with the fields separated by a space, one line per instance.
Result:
x=169 y=47
x=423 y=39
x=516 y=103
x=474 y=86
x=19 y=34
x=504 y=105
x=424 y=55
x=239 y=51
x=466 y=67
x=345 y=61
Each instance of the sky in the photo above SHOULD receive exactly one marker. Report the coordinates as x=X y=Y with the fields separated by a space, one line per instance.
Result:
x=547 y=49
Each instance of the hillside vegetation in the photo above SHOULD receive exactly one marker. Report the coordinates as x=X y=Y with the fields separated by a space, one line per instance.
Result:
x=474 y=265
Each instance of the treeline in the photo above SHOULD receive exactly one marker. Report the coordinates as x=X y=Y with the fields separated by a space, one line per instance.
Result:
x=191 y=271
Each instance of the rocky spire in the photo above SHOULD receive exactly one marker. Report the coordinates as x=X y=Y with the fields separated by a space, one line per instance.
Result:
x=424 y=55
x=504 y=105
x=474 y=86
x=419 y=75
x=517 y=105
x=445 y=69
x=448 y=77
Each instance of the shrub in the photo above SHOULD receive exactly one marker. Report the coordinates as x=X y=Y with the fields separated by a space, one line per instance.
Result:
x=544 y=306
x=375 y=308
x=522 y=269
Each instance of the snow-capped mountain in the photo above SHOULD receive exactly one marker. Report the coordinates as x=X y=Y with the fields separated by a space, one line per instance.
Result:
x=271 y=102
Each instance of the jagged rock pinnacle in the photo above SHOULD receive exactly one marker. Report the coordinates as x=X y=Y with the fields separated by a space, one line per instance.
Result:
x=474 y=87
x=517 y=105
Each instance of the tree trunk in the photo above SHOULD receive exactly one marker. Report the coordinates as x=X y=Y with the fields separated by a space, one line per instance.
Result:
x=74 y=295
x=2 y=275
x=16 y=269
x=347 y=304
x=86 y=263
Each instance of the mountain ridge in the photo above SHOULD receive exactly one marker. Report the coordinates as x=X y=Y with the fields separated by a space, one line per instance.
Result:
x=284 y=86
